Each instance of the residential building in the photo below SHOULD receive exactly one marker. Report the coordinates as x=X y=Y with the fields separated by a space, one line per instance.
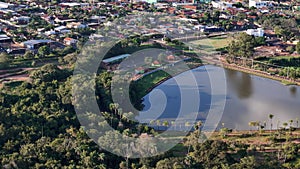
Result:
x=260 y=3
x=259 y=32
x=139 y=70
x=205 y=1
x=21 y=20
x=35 y=44
x=221 y=5
x=4 y=5
x=4 y=38
x=70 y=41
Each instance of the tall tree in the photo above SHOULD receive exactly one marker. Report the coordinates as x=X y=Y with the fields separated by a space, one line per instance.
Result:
x=298 y=47
x=242 y=46
x=4 y=60
x=271 y=121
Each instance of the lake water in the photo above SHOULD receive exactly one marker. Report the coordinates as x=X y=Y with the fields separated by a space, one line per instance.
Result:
x=246 y=98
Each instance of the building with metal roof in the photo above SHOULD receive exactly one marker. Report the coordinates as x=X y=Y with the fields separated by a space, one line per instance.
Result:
x=34 y=44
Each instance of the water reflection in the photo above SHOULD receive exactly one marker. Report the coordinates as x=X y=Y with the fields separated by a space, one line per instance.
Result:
x=249 y=98
x=240 y=82
x=293 y=91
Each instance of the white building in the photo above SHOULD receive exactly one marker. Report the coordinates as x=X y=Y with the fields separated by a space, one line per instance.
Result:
x=259 y=3
x=259 y=32
x=21 y=19
x=4 y=5
x=221 y=4
x=74 y=4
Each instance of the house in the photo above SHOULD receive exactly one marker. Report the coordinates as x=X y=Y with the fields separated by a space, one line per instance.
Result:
x=148 y=1
x=190 y=7
x=145 y=135
x=259 y=3
x=48 y=33
x=221 y=5
x=60 y=28
x=139 y=70
x=70 y=41
x=63 y=19
x=4 y=39
x=109 y=63
x=76 y=25
x=97 y=19
x=199 y=27
x=4 y=5
x=205 y=1
x=35 y=44
x=73 y=4
x=259 y=32
x=22 y=20
x=211 y=29
x=171 y=58
x=156 y=64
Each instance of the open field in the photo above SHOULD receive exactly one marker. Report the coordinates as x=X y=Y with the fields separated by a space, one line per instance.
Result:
x=211 y=44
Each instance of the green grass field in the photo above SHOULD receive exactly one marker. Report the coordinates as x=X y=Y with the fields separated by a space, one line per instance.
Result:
x=211 y=44
x=149 y=81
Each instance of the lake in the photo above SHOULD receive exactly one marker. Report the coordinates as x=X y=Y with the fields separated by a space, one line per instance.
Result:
x=240 y=98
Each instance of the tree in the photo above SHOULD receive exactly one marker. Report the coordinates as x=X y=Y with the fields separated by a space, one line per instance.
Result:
x=114 y=107
x=242 y=46
x=28 y=55
x=211 y=154
x=245 y=163
x=285 y=124
x=187 y=124
x=278 y=30
x=158 y=124
x=298 y=47
x=252 y=123
x=198 y=125
x=290 y=49
x=216 y=16
x=291 y=122
x=206 y=17
x=165 y=123
x=4 y=60
x=271 y=123
x=43 y=51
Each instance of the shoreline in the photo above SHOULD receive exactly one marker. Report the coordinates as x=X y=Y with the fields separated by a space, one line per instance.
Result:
x=169 y=77
x=282 y=80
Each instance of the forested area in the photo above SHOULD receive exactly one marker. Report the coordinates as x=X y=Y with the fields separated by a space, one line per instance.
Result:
x=39 y=129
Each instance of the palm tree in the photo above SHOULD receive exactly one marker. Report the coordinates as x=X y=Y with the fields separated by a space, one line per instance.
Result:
x=120 y=113
x=252 y=123
x=291 y=122
x=271 y=117
x=158 y=124
x=198 y=125
x=173 y=124
x=151 y=122
x=278 y=123
x=285 y=125
x=165 y=123
x=223 y=125
x=257 y=124
x=297 y=122
x=187 y=124
x=114 y=107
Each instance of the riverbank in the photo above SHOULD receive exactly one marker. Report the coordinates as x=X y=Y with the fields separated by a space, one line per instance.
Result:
x=150 y=81
x=283 y=80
